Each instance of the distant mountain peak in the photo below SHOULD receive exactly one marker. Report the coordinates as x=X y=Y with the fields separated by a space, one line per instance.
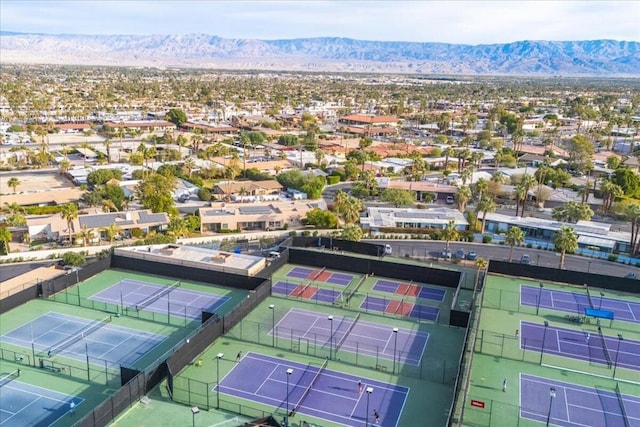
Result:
x=338 y=54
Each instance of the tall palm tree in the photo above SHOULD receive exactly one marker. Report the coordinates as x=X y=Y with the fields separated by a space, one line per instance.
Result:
x=69 y=212
x=481 y=186
x=449 y=233
x=631 y=213
x=565 y=240
x=5 y=238
x=463 y=195
x=13 y=182
x=485 y=205
x=515 y=236
x=527 y=182
x=112 y=231
x=481 y=265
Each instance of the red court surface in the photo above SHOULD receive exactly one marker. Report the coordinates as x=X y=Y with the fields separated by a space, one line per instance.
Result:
x=312 y=275
x=322 y=277
x=304 y=291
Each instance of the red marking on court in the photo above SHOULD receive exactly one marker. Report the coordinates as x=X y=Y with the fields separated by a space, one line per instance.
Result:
x=413 y=291
x=298 y=291
x=324 y=276
x=404 y=309
x=392 y=307
x=313 y=274
x=309 y=292
x=402 y=289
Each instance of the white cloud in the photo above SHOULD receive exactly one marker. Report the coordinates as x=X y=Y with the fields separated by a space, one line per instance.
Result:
x=471 y=22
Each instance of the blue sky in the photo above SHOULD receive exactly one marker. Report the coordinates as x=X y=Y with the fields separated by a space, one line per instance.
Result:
x=469 y=22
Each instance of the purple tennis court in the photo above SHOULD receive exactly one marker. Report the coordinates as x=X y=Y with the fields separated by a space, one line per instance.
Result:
x=400 y=308
x=411 y=289
x=332 y=395
x=578 y=345
x=353 y=335
x=574 y=302
x=575 y=405
x=28 y=405
x=77 y=338
x=328 y=296
x=300 y=273
x=134 y=294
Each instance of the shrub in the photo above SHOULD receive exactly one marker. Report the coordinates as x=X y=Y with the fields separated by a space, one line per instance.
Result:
x=487 y=238
x=529 y=245
x=204 y=194
x=613 y=257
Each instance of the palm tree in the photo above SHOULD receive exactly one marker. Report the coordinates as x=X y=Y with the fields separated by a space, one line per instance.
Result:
x=109 y=206
x=13 y=183
x=565 y=240
x=528 y=181
x=112 y=231
x=515 y=236
x=463 y=195
x=69 y=212
x=631 y=213
x=450 y=232
x=177 y=227
x=481 y=265
x=85 y=234
x=481 y=186
x=521 y=194
x=485 y=205
x=5 y=238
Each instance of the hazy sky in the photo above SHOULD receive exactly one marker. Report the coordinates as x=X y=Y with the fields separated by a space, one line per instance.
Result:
x=470 y=22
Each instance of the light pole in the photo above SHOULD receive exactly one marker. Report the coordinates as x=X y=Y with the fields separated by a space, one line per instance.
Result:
x=272 y=307
x=330 y=336
x=194 y=411
x=539 y=298
x=589 y=267
x=369 y=390
x=395 y=347
x=218 y=357
x=552 y=394
x=617 y=354
x=601 y=296
x=544 y=336
x=286 y=416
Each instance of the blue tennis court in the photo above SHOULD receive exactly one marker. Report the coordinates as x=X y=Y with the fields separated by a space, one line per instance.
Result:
x=133 y=294
x=27 y=405
x=77 y=337
x=400 y=308
x=415 y=290
x=328 y=296
x=332 y=395
x=576 y=405
x=576 y=302
x=352 y=335
x=578 y=345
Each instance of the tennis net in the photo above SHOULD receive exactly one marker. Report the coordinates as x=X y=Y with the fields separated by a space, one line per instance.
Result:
x=347 y=332
x=313 y=382
x=153 y=298
x=625 y=417
x=93 y=326
x=315 y=276
x=589 y=297
x=6 y=379
x=604 y=348
x=353 y=291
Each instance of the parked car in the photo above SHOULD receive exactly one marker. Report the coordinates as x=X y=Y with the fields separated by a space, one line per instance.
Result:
x=460 y=253
x=472 y=256
x=446 y=254
x=450 y=200
x=631 y=276
x=525 y=259
x=388 y=250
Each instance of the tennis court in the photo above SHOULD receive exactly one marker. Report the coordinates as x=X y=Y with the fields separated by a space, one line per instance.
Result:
x=76 y=337
x=27 y=405
x=328 y=296
x=578 y=345
x=314 y=391
x=576 y=405
x=138 y=295
x=353 y=335
x=400 y=308
x=322 y=275
x=409 y=289
x=575 y=302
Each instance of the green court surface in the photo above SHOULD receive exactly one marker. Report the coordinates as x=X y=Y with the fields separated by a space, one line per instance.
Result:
x=81 y=295
x=498 y=354
x=432 y=380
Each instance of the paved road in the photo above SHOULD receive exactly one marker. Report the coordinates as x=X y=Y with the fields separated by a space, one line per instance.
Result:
x=9 y=271
x=428 y=249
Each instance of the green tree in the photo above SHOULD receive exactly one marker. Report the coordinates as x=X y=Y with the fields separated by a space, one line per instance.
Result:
x=397 y=197
x=514 y=236
x=112 y=231
x=581 y=152
x=628 y=180
x=449 y=233
x=485 y=205
x=5 y=238
x=74 y=259
x=176 y=116
x=572 y=212
x=320 y=218
x=69 y=213
x=463 y=195
x=155 y=192
x=13 y=182
x=481 y=265
x=347 y=206
x=565 y=240
x=351 y=232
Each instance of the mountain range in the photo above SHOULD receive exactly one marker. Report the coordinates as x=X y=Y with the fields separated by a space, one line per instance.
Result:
x=321 y=54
